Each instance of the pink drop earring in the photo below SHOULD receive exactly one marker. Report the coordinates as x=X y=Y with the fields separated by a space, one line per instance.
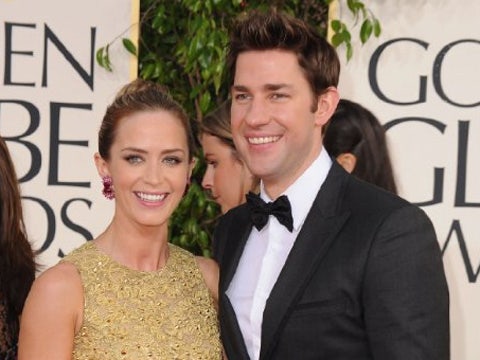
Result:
x=108 y=191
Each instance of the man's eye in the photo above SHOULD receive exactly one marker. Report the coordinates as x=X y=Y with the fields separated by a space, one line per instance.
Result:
x=241 y=97
x=278 y=96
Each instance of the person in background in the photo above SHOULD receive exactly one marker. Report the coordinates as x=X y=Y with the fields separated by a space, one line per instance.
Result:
x=320 y=265
x=356 y=139
x=129 y=293
x=227 y=178
x=17 y=259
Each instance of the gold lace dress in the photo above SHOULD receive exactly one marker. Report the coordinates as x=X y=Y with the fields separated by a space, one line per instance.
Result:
x=135 y=315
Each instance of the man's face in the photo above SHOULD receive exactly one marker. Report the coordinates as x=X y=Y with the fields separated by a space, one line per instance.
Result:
x=273 y=126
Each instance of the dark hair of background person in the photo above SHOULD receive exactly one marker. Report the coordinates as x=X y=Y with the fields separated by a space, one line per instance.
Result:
x=354 y=129
x=17 y=259
x=291 y=34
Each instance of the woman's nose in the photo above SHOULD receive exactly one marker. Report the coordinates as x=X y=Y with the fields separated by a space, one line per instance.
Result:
x=153 y=174
x=207 y=181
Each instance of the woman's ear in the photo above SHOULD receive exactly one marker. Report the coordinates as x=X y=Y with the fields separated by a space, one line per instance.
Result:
x=326 y=106
x=101 y=164
x=347 y=161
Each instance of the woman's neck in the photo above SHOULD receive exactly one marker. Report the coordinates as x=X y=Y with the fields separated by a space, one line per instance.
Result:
x=137 y=247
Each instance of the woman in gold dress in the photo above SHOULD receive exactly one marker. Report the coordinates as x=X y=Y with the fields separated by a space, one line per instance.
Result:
x=129 y=294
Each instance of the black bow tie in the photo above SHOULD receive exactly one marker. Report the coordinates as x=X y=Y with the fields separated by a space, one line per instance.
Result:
x=260 y=210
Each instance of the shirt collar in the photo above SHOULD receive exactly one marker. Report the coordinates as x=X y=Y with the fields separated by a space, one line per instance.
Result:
x=303 y=191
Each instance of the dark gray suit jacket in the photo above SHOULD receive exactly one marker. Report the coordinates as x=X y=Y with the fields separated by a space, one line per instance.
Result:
x=364 y=280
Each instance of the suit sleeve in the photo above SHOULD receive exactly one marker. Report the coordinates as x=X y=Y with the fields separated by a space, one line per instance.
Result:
x=406 y=301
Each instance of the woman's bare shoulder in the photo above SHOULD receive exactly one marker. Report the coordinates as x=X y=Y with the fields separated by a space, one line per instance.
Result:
x=60 y=278
x=210 y=272
x=53 y=306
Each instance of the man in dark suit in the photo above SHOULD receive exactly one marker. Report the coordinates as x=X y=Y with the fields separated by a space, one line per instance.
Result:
x=357 y=272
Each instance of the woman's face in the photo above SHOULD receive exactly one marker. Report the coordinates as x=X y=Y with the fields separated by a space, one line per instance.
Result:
x=149 y=166
x=226 y=177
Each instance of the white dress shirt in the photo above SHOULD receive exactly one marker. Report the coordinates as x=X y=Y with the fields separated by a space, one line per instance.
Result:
x=266 y=251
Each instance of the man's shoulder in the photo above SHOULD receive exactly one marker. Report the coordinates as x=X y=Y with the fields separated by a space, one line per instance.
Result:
x=236 y=216
x=368 y=201
x=346 y=190
x=238 y=212
x=227 y=226
x=366 y=191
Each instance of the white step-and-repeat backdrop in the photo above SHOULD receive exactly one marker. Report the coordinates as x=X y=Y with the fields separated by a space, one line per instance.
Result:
x=421 y=78
x=53 y=96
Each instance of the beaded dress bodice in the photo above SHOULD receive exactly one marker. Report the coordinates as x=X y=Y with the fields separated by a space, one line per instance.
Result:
x=130 y=314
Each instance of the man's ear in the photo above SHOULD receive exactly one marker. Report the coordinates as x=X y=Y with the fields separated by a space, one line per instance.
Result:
x=347 y=161
x=101 y=164
x=326 y=106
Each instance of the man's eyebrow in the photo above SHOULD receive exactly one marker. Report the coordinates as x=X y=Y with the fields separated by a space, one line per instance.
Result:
x=271 y=87
x=276 y=86
x=240 y=88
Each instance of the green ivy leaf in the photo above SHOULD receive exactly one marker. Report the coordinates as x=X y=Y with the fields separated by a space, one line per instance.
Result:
x=99 y=56
x=377 y=29
x=366 y=30
x=205 y=100
x=336 y=25
x=130 y=46
x=103 y=58
x=352 y=5
x=337 y=39
x=148 y=71
x=203 y=239
x=349 y=51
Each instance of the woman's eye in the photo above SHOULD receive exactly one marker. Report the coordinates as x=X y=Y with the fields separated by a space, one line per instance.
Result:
x=134 y=159
x=172 y=160
x=212 y=163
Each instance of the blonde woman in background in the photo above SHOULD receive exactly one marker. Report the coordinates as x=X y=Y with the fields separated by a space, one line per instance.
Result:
x=227 y=178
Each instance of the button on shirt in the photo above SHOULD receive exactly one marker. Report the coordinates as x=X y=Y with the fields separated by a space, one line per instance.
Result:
x=266 y=251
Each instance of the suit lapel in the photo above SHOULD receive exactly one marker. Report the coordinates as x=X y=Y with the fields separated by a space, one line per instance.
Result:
x=319 y=230
x=238 y=230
